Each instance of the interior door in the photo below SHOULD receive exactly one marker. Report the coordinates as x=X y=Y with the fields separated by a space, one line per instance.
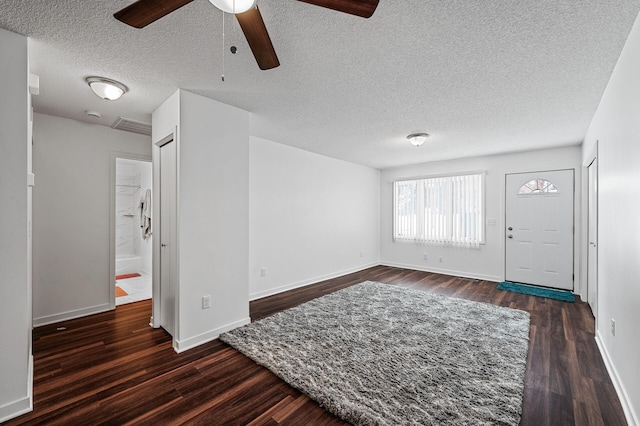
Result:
x=168 y=211
x=592 y=261
x=539 y=234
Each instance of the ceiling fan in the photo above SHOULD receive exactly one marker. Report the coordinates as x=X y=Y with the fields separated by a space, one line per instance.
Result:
x=143 y=12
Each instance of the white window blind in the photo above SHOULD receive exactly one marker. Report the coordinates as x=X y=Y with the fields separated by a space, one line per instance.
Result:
x=440 y=210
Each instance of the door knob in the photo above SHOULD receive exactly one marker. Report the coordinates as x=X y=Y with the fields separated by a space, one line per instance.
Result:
x=163 y=245
x=509 y=236
x=510 y=228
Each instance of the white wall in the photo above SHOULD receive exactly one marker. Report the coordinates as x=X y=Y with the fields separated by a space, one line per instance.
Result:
x=213 y=213
x=616 y=127
x=311 y=217
x=16 y=362
x=488 y=261
x=71 y=252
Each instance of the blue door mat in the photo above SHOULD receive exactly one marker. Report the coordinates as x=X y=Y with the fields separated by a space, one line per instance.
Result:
x=549 y=293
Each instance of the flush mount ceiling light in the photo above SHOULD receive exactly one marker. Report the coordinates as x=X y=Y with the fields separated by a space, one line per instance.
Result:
x=417 y=139
x=106 y=88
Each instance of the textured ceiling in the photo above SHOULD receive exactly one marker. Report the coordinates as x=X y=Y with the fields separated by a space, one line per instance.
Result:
x=481 y=77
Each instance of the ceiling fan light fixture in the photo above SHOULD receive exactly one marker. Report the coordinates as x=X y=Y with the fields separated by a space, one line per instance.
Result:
x=106 y=88
x=233 y=6
x=417 y=139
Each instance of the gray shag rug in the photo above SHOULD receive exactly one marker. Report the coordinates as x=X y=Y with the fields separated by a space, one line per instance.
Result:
x=376 y=354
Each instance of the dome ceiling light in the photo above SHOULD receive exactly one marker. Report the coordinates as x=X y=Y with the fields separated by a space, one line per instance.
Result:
x=417 y=139
x=106 y=88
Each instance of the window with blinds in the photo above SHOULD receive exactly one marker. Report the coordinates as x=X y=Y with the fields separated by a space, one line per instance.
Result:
x=440 y=210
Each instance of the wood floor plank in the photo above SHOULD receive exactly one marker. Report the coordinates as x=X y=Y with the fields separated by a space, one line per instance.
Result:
x=535 y=407
x=560 y=409
x=287 y=411
x=587 y=414
x=267 y=416
x=609 y=404
x=112 y=368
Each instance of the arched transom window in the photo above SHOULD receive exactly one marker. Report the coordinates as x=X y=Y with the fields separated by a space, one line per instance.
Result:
x=537 y=186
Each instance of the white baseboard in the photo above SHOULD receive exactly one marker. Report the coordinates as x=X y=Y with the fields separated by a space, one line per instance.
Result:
x=183 y=345
x=23 y=405
x=629 y=413
x=304 y=283
x=65 y=316
x=463 y=274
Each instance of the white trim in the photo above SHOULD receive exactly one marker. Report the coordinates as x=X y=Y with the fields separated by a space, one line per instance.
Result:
x=170 y=135
x=183 y=345
x=304 y=283
x=585 y=234
x=591 y=155
x=441 y=175
x=22 y=405
x=625 y=401
x=454 y=273
x=77 y=313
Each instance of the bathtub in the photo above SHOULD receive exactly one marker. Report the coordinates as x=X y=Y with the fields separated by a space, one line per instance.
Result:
x=129 y=265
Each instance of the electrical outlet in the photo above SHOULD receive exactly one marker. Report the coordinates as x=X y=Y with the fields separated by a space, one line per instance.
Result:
x=441 y=259
x=613 y=326
x=425 y=257
x=206 y=301
x=263 y=272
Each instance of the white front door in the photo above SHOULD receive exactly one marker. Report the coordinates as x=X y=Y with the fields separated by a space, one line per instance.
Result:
x=592 y=268
x=539 y=228
x=168 y=211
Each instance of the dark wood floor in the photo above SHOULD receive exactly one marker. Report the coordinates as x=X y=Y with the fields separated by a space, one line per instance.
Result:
x=112 y=368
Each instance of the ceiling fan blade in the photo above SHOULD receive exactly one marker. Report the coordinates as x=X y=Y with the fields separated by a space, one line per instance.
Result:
x=363 y=8
x=258 y=38
x=143 y=12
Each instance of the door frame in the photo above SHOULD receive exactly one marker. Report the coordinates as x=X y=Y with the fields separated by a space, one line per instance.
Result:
x=588 y=258
x=573 y=218
x=156 y=314
x=115 y=155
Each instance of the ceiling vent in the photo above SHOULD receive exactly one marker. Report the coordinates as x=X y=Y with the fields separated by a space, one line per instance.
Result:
x=133 y=126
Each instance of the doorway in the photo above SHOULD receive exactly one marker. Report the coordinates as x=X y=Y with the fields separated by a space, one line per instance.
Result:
x=539 y=237
x=165 y=309
x=592 y=253
x=132 y=225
